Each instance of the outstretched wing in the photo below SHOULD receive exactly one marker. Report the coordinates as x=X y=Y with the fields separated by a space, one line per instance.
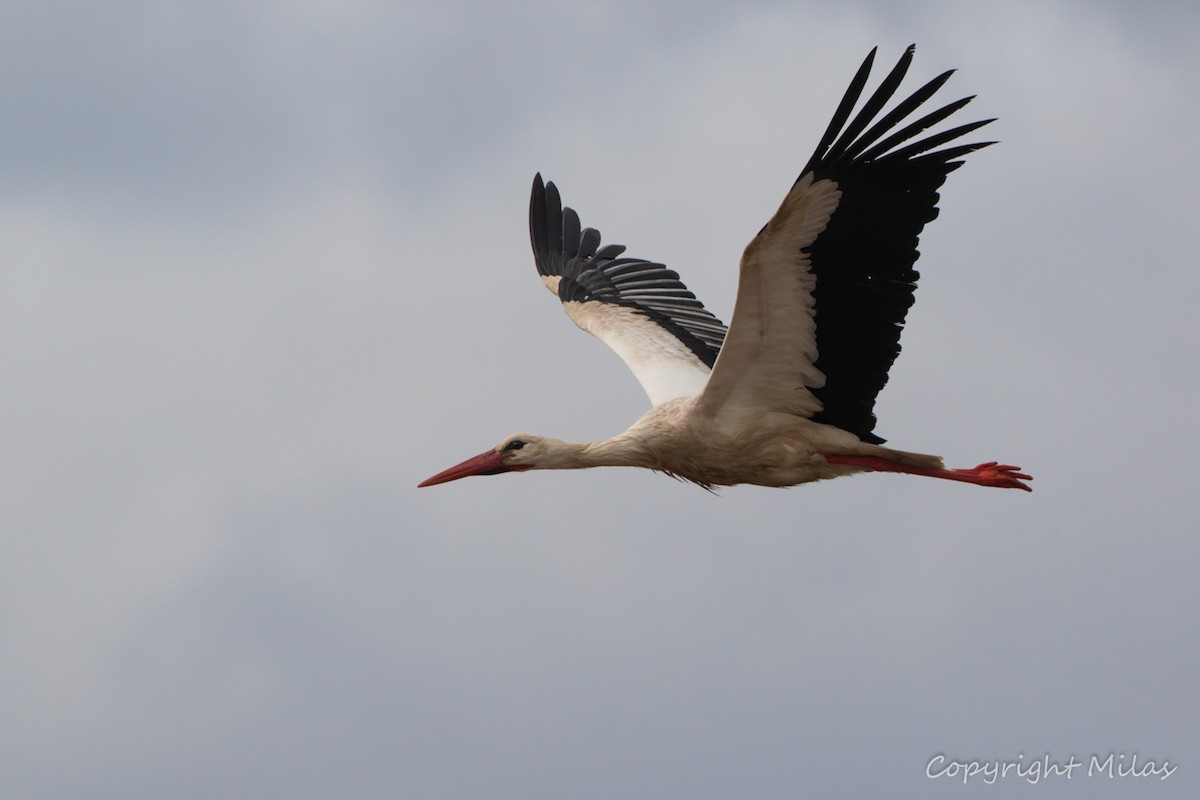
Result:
x=638 y=308
x=825 y=285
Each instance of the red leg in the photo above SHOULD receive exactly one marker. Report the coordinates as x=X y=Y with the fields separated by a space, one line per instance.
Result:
x=989 y=474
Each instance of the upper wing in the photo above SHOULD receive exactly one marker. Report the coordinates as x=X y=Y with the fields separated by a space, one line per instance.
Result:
x=825 y=285
x=638 y=308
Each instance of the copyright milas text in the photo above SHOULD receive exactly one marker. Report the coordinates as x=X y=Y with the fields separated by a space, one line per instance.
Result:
x=1109 y=765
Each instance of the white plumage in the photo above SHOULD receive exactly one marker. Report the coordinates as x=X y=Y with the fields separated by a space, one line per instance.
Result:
x=665 y=368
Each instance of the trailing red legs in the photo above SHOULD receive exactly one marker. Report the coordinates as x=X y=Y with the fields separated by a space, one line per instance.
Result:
x=990 y=473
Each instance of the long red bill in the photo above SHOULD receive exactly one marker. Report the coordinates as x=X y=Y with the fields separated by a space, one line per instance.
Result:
x=487 y=463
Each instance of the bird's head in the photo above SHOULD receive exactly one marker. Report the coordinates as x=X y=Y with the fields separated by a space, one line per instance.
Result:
x=518 y=452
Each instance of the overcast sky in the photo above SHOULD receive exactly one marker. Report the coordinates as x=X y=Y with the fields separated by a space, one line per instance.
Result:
x=265 y=267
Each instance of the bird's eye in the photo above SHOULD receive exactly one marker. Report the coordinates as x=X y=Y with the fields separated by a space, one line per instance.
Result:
x=515 y=444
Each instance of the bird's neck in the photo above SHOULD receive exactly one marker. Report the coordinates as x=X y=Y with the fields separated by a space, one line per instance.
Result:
x=619 y=451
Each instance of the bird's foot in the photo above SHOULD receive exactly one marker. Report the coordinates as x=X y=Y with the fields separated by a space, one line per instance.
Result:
x=992 y=473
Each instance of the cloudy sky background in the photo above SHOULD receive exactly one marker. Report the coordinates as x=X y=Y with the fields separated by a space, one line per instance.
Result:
x=265 y=267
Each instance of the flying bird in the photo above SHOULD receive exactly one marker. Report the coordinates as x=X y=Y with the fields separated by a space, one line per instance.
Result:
x=785 y=394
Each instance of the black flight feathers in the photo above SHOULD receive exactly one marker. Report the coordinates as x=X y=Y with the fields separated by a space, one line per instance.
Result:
x=862 y=261
x=864 y=258
x=592 y=273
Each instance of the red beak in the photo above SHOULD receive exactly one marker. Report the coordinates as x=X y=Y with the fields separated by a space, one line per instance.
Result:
x=488 y=463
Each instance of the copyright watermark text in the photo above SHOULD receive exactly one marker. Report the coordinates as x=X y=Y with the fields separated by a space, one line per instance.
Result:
x=1108 y=765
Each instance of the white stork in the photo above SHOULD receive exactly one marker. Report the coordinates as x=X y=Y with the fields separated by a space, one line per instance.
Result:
x=785 y=394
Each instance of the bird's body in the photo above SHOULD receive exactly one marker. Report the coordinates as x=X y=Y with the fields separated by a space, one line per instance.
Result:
x=785 y=395
x=680 y=439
